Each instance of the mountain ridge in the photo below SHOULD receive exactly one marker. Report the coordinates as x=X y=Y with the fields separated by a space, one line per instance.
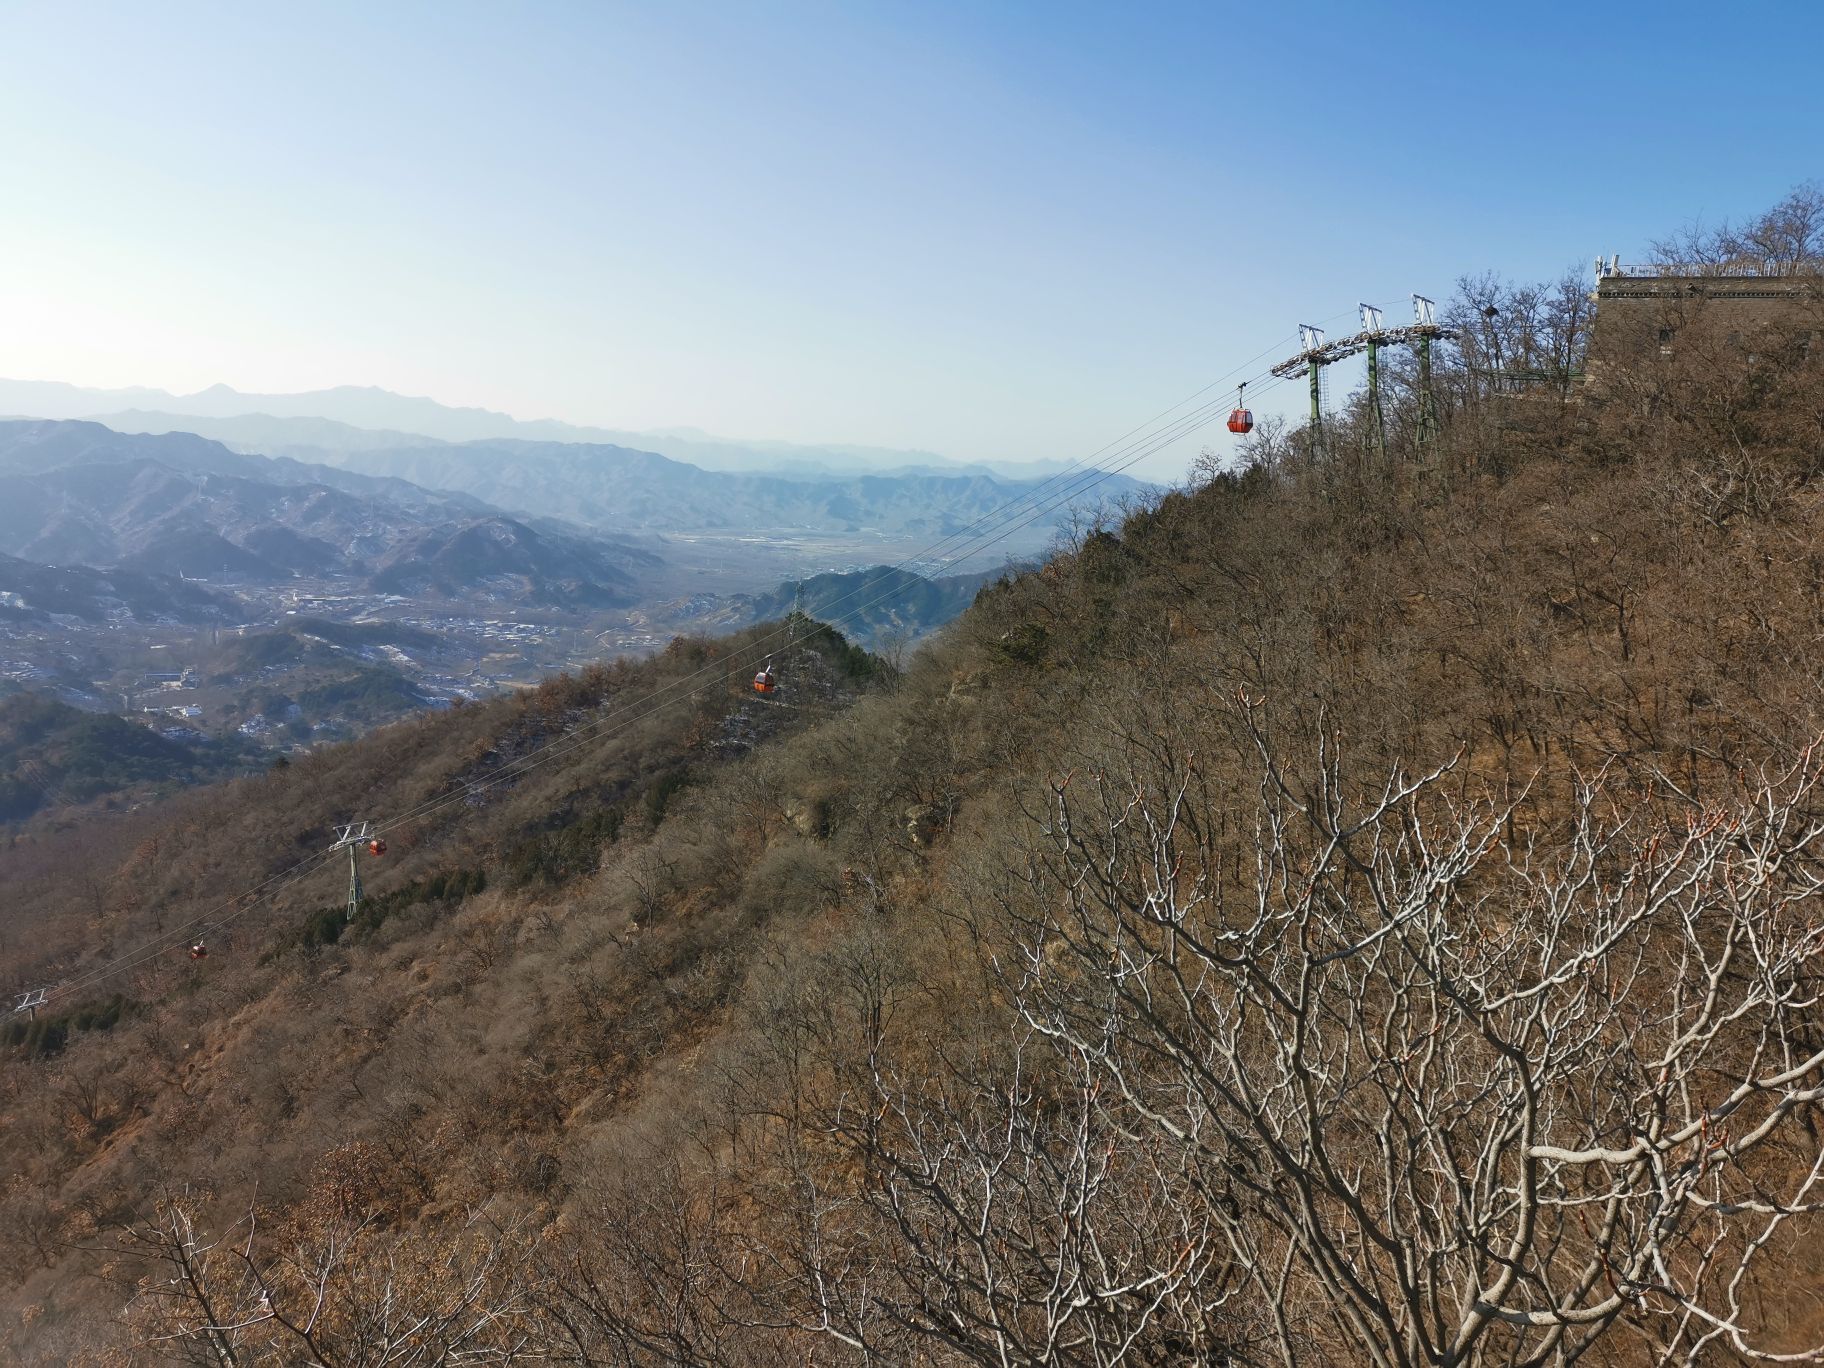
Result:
x=361 y=413
x=623 y=489
x=78 y=494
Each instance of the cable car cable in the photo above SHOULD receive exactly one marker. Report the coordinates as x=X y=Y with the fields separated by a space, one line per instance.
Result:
x=1134 y=451
x=1022 y=516
x=572 y=742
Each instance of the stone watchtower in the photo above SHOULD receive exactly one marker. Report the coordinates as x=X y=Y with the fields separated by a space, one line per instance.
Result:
x=1647 y=316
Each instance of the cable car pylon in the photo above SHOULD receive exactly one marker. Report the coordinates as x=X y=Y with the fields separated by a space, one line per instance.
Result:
x=354 y=838
x=1316 y=352
x=767 y=681
x=1373 y=332
x=1424 y=329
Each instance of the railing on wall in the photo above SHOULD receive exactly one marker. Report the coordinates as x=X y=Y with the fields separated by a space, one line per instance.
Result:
x=1728 y=270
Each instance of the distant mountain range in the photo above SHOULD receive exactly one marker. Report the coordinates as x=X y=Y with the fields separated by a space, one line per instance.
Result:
x=157 y=507
x=441 y=465
x=350 y=405
x=620 y=489
x=362 y=418
x=305 y=439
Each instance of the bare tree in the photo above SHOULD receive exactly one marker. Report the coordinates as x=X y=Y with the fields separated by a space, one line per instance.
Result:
x=1425 y=1077
x=347 y=1296
x=1787 y=239
x=644 y=1277
x=1515 y=338
x=1028 y=1228
x=1268 y=447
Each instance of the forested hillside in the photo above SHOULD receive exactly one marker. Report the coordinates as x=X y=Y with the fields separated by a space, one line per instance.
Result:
x=53 y=756
x=1362 y=908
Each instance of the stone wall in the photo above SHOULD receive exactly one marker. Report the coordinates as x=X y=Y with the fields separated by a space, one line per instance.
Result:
x=1643 y=321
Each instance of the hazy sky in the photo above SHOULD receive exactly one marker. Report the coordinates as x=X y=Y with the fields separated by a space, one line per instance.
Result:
x=987 y=229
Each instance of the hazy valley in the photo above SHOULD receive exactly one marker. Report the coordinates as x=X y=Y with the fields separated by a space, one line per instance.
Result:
x=263 y=603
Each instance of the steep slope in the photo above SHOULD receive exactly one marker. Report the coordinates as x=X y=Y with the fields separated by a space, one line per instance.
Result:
x=1327 y=857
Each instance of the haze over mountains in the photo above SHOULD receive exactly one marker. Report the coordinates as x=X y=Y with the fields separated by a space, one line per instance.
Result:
x=616 y=488
x=169 y=576
x=142 y=563
x=77 y=494
x=360 y=418
x=608 y=480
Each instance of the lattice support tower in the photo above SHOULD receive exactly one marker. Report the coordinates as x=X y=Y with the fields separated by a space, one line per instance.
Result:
x=353 y=838
x=1424 y=329
x=1374 y=332
x=1311 y=359
x=1315 y=352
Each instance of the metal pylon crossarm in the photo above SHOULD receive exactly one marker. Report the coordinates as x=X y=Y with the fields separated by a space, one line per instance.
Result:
x=1316 y=352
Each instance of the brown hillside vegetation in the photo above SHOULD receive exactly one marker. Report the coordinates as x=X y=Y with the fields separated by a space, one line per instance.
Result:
x=1360 y=909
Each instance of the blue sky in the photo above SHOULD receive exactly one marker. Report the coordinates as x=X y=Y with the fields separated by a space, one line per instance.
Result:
x=990 y=230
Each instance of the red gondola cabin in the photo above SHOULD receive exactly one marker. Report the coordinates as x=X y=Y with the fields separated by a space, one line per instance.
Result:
x=376 y=846
x=199 y=951
x=765 y=682
x=1241 y=421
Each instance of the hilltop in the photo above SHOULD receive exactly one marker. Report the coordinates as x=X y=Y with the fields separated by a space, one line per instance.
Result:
x=883 y=607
